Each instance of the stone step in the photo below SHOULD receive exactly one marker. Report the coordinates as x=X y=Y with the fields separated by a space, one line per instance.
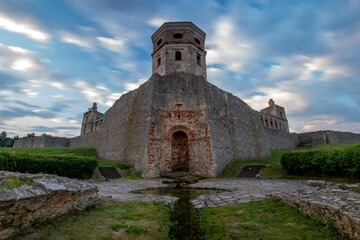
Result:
x=250 y=171
x=109 y=172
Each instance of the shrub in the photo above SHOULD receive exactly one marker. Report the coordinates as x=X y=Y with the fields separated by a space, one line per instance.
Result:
x=343 y=162
x=68 y=166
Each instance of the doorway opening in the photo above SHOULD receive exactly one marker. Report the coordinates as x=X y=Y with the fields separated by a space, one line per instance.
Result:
x=179 y=152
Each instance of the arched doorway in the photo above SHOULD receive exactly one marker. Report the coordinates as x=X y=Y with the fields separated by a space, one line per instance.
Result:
x=179 y=152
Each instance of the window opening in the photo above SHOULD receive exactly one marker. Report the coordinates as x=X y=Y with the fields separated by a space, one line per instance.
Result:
x=198 y=59
x=159 y=42
x=159 y=61
x=177 y=55
x=177 y=35
x=197 y=40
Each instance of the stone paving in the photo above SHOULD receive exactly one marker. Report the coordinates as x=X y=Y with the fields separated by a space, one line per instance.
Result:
x=238 y=190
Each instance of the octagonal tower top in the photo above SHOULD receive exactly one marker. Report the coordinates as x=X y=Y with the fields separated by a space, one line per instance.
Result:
x=179 y=47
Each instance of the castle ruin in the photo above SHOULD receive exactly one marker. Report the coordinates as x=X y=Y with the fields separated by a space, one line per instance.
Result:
x=178 y=121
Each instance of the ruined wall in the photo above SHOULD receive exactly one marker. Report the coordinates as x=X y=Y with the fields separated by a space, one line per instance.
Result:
x=126 y=124
x=179 y=105
x=278 y=139
x=47 y=197
x=42 y=141
x=325 y=137
x=235 y=129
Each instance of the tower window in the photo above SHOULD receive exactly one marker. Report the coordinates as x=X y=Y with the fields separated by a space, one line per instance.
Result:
x=197 y=40
x=177 y=55
x=198 y=59
x=159 y=42
x=159 y=61
x=177 y=35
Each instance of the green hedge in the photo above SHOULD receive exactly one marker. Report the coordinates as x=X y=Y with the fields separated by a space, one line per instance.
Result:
x=343 y=162
x=68 y=166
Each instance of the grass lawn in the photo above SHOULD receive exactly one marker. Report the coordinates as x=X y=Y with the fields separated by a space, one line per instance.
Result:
x=273 y=168
x=110 y=220
x=125 y=170
x=268 y=219
x=63 y=151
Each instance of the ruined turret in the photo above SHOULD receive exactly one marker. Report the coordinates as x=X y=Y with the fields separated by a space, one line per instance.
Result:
x=92 y=120
x=179 y=47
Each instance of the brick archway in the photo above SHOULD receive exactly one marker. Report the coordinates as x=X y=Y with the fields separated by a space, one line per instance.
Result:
x=179 y=152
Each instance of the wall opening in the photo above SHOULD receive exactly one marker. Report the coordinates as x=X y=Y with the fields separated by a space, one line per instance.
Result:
x=198 y=59
x=179 y=152
x=177 y=55
x=158 y=62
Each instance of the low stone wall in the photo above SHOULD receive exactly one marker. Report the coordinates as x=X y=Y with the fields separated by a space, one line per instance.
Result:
x=325 y=137
x=341 y=206
x=43 y=141
x=46 y=197
x=278 y=139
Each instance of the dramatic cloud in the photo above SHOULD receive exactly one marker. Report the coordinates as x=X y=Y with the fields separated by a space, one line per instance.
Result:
x=23 y=28
x=303 y=54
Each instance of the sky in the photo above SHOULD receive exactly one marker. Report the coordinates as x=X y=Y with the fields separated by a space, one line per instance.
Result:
x=57 y=57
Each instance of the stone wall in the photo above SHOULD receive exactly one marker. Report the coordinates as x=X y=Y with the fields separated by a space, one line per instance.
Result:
x=329 y=203
x=47 y=197
x=124 y=130
x=42 y=141
x=179 y=106
x=279 y=139
x=325 y=137
x=234 y=128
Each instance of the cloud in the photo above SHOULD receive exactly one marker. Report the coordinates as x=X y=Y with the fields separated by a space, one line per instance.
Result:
x=156 y=22
x=76 y=40
x=292 y=101
x=63 y=97
x=23 y=28
x=16 y=112
x=111 y=44
x=234 y=58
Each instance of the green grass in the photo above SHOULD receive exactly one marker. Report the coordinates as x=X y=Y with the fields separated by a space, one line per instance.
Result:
x=109 y=220
x=15 y=182
x=268 y=219
x=273 y=168
x=113 y=164
x=74 y=151
x=130 y=174
x=63 y=151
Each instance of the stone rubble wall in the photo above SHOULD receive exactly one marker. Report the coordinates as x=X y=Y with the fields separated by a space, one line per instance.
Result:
x=47 y=197
x=42 y=141
x=279 y=139
x=325 y=137
x=235 y=129
x=339 y=206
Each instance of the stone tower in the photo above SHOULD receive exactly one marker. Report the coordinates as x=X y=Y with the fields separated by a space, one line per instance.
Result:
x=177 y=120
x=179 y=47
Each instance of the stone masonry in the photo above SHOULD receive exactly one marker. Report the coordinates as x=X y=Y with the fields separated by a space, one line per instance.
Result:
x=47 y=197
x=178 y=121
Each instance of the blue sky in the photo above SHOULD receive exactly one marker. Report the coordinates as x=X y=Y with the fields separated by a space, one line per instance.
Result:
x=58 y=57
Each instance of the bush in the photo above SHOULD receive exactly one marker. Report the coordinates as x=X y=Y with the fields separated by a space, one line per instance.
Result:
x=343 y=162
x=68 y=166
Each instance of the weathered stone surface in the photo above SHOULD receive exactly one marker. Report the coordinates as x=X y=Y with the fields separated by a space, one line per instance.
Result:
x=324 y=137
x=47 y=197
